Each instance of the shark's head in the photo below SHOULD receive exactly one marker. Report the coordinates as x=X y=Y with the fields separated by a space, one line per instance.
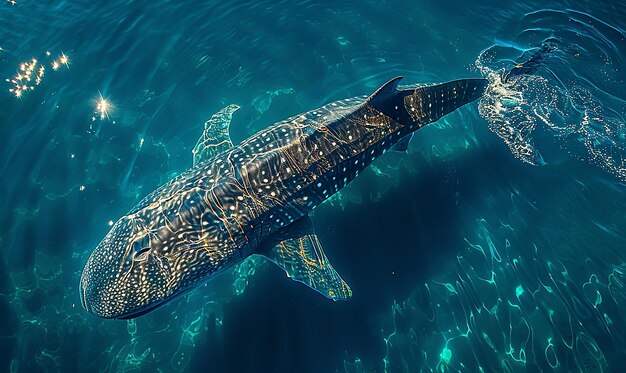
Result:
x=127 y=275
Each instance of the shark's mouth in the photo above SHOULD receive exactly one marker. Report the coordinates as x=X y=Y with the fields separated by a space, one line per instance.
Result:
x=152 y=307
x=142 y=311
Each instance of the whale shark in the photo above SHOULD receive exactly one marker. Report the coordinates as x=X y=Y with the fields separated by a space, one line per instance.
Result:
x=254 y=198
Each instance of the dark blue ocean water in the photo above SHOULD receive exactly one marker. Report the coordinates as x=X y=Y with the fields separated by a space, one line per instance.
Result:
x=496 y=244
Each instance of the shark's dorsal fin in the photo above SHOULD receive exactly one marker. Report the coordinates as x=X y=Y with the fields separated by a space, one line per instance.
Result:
x=215 y=138
x=301 y=256
x=383 y=93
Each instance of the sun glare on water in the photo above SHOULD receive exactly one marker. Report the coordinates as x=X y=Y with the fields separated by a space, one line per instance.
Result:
x=30 y=73
x=103 y=108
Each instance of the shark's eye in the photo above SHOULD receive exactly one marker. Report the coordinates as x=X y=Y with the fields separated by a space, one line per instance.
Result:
x=141 y=247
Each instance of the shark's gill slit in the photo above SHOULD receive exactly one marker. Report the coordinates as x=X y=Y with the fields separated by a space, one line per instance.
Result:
x=141 y=247
x=141 y=254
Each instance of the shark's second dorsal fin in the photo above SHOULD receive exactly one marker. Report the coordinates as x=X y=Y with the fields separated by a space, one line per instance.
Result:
x=300 y=254
x=215 y=138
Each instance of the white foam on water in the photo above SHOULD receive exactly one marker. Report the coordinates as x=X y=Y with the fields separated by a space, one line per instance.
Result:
x=566 y=118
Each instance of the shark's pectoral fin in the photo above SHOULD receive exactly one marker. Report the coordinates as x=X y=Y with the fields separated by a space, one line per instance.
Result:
x=215 y=138
x=303 y=259
x=403 y=144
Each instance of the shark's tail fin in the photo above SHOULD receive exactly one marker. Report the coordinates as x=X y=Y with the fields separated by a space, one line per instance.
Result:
x=425 y=104
x=531 y=64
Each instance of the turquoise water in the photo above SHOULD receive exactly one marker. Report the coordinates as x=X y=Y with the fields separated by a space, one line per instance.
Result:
x=496 y=244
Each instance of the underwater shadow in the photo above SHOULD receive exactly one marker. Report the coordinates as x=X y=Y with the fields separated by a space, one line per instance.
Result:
x=383 y=249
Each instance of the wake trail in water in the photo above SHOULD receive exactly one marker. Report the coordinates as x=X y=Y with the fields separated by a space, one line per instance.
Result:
x=547 y=112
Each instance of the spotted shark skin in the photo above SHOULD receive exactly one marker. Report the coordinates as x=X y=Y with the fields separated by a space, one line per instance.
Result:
x=254 y=198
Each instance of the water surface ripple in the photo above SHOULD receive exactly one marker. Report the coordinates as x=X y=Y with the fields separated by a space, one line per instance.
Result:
x=468 y=253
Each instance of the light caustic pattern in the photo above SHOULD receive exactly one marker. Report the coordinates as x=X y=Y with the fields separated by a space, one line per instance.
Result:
x=55 y=321
x=502 y=308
